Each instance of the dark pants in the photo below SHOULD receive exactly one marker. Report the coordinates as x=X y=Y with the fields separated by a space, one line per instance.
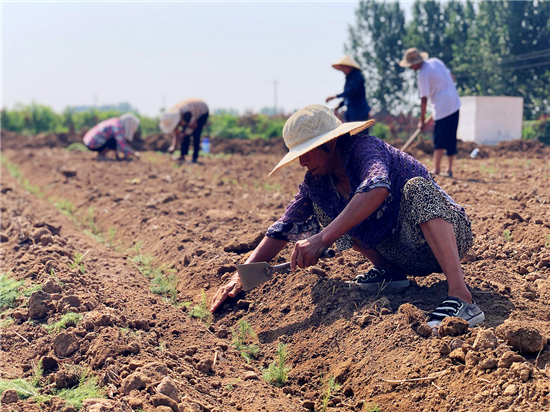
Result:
x=445 y=133
x=109 y=144
x=196 y=138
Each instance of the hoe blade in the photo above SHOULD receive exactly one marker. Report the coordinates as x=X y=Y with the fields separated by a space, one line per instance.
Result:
x=253 y=274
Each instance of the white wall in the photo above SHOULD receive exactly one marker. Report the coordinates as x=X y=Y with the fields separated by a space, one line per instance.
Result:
x=490 y=119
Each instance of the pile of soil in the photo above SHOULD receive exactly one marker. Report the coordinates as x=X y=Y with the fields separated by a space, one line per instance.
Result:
x=202 y=220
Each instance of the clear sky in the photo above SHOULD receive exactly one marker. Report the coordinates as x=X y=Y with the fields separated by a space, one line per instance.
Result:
x=227 y=53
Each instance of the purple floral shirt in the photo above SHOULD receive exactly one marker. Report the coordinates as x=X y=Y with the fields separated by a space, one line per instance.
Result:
x=369 y=163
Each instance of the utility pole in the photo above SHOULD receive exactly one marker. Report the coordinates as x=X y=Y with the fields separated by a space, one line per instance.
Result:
x=275 y=95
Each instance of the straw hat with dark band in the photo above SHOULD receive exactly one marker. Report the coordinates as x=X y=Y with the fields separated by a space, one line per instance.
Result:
x=413 y=56
x=311 y=127
x=347 y=61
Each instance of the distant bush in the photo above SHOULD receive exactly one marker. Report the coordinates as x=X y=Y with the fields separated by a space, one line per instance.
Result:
x=537 y=129
x=380 y=130
x=230 y=126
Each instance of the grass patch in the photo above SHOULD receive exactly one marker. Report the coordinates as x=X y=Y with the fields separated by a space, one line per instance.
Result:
x=331 y=388
x=86 y=389
x=201 y=311
x=6 y=323
x=35 y=190
x=144 y=262
x=506 y=235
x=277 y=372
x=9 y=291
x=371 y=407
x=164 y=283
x=67 y=320
x=13 y=169
x=30 y=290
x=65 y=206
x=273 y=187
x=241 y=335
x=547 y=243
x=77 y=147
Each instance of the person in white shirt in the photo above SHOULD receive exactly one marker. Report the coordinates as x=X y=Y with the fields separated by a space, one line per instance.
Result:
x=436 y=83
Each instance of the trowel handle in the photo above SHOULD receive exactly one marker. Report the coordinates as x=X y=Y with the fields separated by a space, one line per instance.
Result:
x=279 y=268
x=328 y=253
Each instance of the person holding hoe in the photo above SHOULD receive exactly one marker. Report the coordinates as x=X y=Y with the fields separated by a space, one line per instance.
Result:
x=185 y=119
x=360 y=192
x=436 y=83
x=112 y=134
x=354 y=95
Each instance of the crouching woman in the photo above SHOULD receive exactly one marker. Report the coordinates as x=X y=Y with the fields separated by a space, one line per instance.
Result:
x=359 y=192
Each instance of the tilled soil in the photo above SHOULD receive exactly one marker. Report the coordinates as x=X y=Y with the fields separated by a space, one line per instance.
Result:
x=201 y=220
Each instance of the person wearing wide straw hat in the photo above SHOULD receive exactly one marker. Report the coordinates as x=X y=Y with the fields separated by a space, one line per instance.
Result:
x=354 y=95
x=185 y=119
x=436 y=83
x=112 y=134
x=360 y=192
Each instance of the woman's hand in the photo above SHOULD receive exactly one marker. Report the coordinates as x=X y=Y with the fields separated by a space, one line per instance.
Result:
x=307 y=252
x=231 y=290
x=330 y=98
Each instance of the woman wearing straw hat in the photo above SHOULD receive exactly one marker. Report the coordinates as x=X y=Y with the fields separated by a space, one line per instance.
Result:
x=185 y=119
x=361 y=192
x=354 y=94
x=436 y=83
x=112 y=134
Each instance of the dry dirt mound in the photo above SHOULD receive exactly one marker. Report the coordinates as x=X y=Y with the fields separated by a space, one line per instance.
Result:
x=202 y=219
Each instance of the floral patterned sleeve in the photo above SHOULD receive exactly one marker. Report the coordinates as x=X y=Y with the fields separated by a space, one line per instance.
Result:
x=372 y=163
x=298 y=222
x=118 y=133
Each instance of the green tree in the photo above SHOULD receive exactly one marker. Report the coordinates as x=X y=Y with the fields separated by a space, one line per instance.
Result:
x=376 y=42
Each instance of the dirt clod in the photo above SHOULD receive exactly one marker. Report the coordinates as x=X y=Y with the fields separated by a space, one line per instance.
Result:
x=453 y=327
x=9 y=396
x=508 y=358
x=37 y=304
x=521 y=336
x=168 y=387
x=485 y=339
x=163 y=400
x=65 y=344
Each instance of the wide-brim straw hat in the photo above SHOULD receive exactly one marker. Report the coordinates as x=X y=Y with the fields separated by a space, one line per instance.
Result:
x=311 y=127
x=347 y=61
x=413 y=56
x=169 y=120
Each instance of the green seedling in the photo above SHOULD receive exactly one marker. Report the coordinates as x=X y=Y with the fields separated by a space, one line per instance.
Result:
x=164 y=283
x=371 y=407
x=9 y=291
x=277 y=372
x=52 y=274
x=6 y=323
x=547 y=243
x=30 y=290
x=506 y=235
x=144 y=262
x=35 y=190
x=78 y=263
x=65 y=206
x=273 y=187
x=201 y=311
x=331 y=388
x=76 y=147
x=67 y=320
x=241 y=336
x=112 y=234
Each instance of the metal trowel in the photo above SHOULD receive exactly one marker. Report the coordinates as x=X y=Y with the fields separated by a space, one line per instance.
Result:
x=254 y=274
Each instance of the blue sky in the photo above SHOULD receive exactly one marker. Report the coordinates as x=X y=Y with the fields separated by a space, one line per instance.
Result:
x=228 y=54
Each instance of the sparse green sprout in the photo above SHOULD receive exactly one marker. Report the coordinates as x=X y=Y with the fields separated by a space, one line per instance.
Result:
x=547 y=243
x=164 y=283
x=272 y=187
x=241 y=335
x=9 y=291
x=201 y=311
x=67 y=320
x=78 y=263
x=65 y=206
x=35 y=190
x=331 y=388
x=6 y=323
x=12 y=167
x=371 y=407
x=144 y=262
x=52 y=273
x=277 y=372
x=25 y=389
x=506 y=235
x=37 y=374
x=112 y=234
x=30 y=290
x=76 y=147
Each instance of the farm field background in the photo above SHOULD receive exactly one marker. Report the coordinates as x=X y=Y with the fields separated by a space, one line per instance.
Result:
x=101 y=237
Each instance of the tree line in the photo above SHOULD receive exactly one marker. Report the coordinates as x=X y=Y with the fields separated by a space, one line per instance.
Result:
x=499 y=48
